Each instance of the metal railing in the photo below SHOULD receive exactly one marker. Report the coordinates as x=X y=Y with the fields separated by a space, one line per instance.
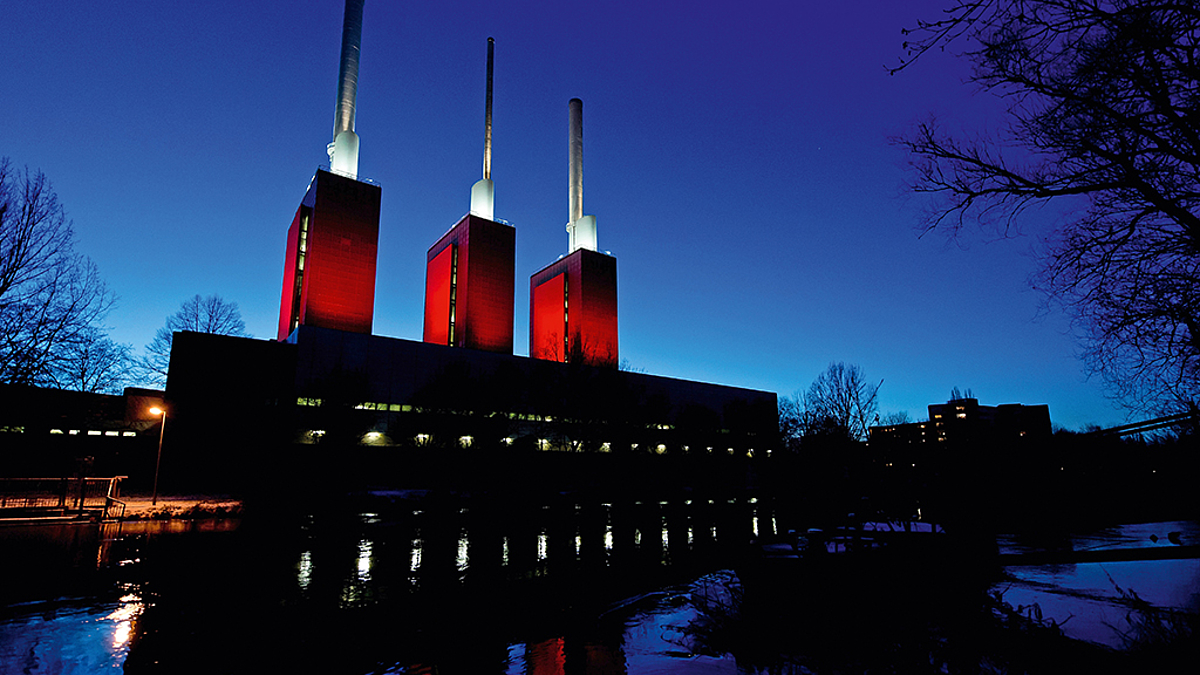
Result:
x=61 y=496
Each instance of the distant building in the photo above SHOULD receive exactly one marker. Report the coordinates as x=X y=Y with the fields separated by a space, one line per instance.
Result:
x=964 y=421
x=53 y=432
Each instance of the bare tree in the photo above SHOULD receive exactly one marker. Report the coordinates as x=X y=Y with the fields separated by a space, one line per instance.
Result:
x=211 y=314
x=95 y=364
x=895 y=418
x=838 y=402
x=1104 y=113
x=51 y=299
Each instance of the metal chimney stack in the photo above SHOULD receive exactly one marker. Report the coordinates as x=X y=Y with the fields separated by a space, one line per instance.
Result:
x=483 y=193
x=581 y=229
x=343 y=151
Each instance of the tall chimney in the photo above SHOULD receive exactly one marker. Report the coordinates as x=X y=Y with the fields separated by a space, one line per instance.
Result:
x=343 y=151
x=487 y=116
x=483 y=192
x=581 y=229
x=575 y=158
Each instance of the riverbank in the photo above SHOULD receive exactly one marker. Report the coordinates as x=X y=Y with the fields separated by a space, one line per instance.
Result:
x=143 y=507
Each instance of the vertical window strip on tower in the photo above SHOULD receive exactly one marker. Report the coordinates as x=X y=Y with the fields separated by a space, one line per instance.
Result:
x=301 y=254
x=453 y=288
x=566 y=320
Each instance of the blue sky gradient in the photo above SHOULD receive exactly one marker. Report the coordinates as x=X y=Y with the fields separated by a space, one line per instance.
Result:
x=736 y=157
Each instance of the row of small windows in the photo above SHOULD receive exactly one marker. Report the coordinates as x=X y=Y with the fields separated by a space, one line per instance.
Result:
x=544 y=444
x=397 y=407
x=91 y=432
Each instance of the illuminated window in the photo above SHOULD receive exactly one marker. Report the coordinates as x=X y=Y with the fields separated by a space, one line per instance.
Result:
x=466 y=441
x=124 y=433
x=112 y=433
x=543 y=444
x=93 y=433
x=508 y=440
x=961 y=416
x=395 y=407
x=56 y=431
x=422 y=439
x=606 y=447
x=73 y=432
x=660 y=448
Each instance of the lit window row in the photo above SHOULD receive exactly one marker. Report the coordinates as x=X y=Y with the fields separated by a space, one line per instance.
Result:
x=89 y=432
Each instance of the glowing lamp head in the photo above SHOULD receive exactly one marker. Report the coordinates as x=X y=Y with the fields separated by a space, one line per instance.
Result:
x=157 y=411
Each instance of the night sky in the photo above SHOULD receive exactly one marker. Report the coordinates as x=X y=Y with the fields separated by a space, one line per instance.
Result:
x=736 y=158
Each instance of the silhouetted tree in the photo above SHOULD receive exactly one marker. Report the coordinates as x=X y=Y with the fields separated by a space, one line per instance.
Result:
x=1103 y=114
x=94 y=363
x=212 y=314
x=838 y=403
x=894 y=418
x=51 y=299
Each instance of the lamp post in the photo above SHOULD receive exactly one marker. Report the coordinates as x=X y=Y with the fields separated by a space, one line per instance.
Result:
x=162 y=430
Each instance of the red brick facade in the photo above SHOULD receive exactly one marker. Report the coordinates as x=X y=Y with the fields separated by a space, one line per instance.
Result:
x=469 y=286
x=329 y=271
x=583 y=306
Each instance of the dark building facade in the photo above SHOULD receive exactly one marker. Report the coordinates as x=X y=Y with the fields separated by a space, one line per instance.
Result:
x=329 y=268
x=54 y=432
x=469 y=286
x=329 y=386
x=573 y=310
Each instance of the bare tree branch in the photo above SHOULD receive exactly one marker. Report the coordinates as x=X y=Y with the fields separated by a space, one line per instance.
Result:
x=1104 y=110
x=211 y=314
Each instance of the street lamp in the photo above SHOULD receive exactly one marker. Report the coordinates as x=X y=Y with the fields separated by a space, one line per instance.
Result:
x=158 y=411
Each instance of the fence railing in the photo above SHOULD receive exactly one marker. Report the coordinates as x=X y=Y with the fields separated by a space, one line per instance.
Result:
x=61 y=496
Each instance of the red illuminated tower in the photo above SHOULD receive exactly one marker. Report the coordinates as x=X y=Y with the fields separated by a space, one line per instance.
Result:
x=573 y=301
x=469 y=285
x=329 y=271
x=469 y=277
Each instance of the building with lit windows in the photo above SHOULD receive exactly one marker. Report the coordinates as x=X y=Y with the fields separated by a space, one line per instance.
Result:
x=326 y=391
x=963 y=421
x=339 y=388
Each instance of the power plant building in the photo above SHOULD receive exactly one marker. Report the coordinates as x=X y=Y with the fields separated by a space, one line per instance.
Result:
x=325 y=379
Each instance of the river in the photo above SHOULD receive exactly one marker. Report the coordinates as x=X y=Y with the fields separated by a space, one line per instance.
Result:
x=417 y=583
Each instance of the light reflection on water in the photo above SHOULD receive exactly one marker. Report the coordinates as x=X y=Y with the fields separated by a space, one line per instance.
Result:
x=384 y=560
x=65 y=636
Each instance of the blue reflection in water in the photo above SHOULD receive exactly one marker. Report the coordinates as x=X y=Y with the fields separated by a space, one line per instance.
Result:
x=70 y=636
x=1086 y=598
